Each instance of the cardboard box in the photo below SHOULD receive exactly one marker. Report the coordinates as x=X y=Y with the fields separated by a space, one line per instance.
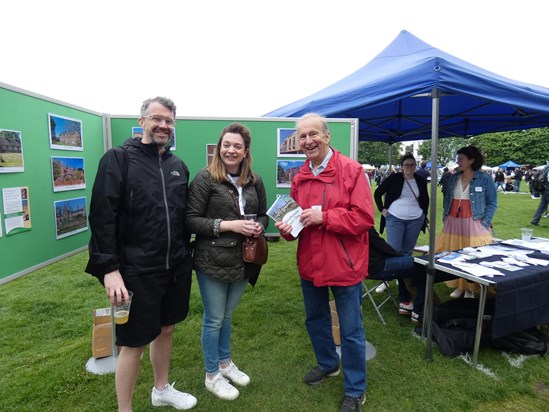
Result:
x=102 y=315
x=335 y=323
x=102 y=333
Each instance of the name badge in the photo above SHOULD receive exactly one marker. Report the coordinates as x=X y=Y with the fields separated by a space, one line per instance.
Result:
x=478 y=189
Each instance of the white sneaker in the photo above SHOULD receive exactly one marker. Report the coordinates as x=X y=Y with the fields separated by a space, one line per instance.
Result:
x=221 y=387
x=381 y=288
x=456 y=293
x=170 y=396
x=469 y=294
x=235 y=375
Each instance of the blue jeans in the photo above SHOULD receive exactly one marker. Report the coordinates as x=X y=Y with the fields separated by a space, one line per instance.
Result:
x=516 y=186
x=402 y=234
x=543 y=203
x=419 y=280
x=219 y=300
x=353 y=337
x=397 y=267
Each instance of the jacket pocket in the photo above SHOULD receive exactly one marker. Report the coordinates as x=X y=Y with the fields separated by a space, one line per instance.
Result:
x=224 y=251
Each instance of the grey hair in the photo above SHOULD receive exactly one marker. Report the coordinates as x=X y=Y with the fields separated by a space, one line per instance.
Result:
x=315 y=116
x=164 y=101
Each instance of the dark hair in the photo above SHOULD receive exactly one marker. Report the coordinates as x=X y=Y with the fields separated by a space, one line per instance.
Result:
x=405 y=157
x=472 y=152
x=164 y=101
x=217 y=167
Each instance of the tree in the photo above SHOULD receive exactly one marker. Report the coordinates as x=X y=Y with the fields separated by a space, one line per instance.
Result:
x=521 y=146
x=447 y=148
x=377 y=153
x=525 y=147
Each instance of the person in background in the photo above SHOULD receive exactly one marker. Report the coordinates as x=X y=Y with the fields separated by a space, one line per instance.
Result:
x=443 y=182
x=139 y=244
x=379 y=175
x=528 y=177
x=423 y=172
x=499 y=180
x=219 y=196
x=544 y=202
x=469 y=207
x=403 y=201
x=332 y=254
x=517 y=179
x=534 y=193
x=385 y=263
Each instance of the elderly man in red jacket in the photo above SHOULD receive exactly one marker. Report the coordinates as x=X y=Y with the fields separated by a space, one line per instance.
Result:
x=332 y=255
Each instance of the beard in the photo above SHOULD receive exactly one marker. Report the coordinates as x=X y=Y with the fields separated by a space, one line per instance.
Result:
x=161 y=141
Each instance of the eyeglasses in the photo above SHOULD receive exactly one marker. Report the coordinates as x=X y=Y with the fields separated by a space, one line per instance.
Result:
x=408 y=165
x=159 y=120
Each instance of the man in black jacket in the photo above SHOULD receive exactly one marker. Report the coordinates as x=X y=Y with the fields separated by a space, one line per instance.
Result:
x=139 y=244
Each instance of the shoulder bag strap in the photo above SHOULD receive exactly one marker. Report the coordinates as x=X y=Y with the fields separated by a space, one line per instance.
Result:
x=417 y=200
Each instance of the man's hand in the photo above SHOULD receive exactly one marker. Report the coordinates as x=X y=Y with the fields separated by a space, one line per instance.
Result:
x=115 y=287
x=311 y=217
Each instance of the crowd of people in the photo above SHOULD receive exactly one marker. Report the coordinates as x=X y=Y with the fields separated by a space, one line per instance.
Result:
x=145 y=209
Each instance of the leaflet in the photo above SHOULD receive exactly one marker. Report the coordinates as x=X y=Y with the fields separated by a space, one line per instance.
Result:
x=285 y=209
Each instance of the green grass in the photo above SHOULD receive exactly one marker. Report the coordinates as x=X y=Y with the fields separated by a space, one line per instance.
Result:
x=46 y=323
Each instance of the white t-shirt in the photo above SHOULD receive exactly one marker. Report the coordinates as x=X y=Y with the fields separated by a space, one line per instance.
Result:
x=406 y=207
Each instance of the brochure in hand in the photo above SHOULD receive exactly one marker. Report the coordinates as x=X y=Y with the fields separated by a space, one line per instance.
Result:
x=285 y=209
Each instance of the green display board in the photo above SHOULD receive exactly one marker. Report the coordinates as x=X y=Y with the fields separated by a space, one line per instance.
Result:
x=49 y=152
x=193 y=135
x=47 y=239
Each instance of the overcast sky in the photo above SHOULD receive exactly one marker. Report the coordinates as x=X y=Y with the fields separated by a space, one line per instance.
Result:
x=245 y=58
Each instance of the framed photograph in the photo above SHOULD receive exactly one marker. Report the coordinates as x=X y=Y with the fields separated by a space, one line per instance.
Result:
x=173 y=142
x=67 y=173
x=288 y=144
x=11 y=151
x=210 y=153
x=71 y=217
x=137 y=132
x=286 y=170
x=65 y=133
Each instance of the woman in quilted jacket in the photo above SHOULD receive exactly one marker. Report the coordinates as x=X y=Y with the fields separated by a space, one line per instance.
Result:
x=219 y=196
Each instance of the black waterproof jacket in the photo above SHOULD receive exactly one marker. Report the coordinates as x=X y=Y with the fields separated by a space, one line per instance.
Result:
x=138 y=226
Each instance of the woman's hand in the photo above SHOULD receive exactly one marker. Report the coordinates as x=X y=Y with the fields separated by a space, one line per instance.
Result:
x=384 y=212
x=244 y=227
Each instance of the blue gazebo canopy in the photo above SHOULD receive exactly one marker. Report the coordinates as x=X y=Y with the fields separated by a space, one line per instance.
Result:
x=508 y=164
x=391 y=96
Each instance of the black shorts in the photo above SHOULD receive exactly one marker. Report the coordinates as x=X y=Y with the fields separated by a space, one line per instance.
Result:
x=159 y=299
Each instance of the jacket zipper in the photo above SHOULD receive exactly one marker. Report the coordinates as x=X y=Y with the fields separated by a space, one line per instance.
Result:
x=167 y=211
x=340 y=239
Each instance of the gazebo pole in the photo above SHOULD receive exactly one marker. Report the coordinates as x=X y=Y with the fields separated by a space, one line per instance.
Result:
x=428 y=309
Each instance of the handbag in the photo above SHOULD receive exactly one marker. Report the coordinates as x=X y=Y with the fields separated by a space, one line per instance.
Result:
x=255 y=250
